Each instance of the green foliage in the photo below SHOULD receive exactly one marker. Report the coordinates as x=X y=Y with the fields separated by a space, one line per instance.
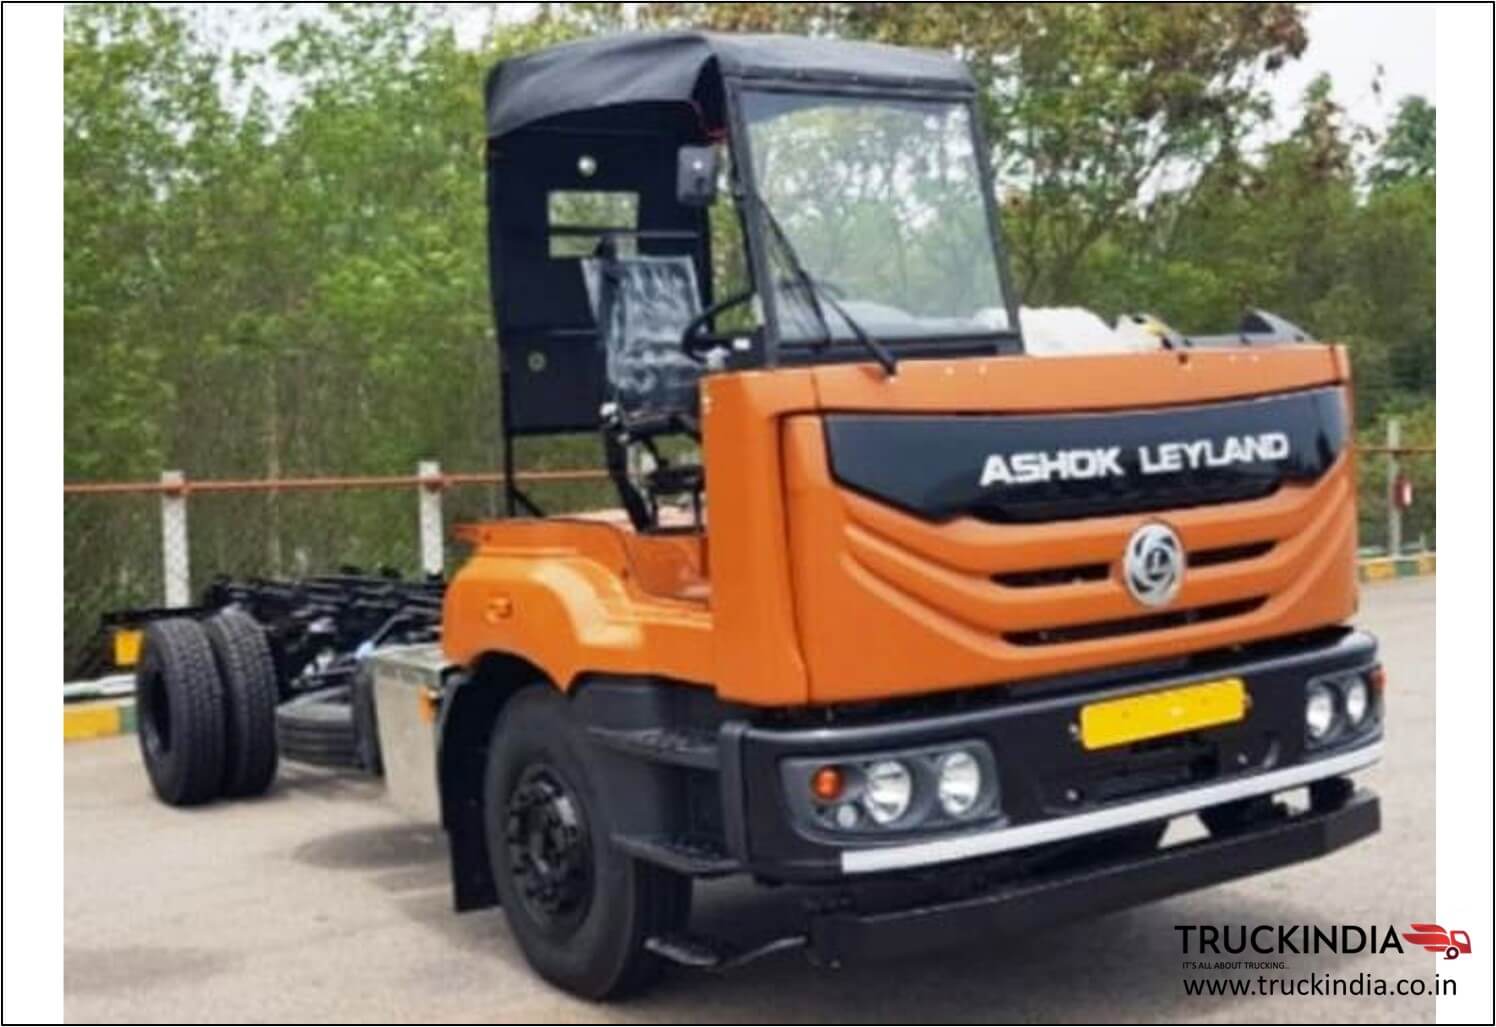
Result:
x=1416 y=424
x=1408 y=150
x=253 y=293
x=275 y=259
x=1086 y=104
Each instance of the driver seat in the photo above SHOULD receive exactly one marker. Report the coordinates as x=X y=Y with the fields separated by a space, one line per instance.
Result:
x=642 y=305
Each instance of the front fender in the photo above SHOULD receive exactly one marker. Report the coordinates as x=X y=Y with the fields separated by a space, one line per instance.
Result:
x=562 y=596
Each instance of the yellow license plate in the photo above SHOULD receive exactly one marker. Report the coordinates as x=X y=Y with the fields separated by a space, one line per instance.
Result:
x=127 y=646
x=1155 y=714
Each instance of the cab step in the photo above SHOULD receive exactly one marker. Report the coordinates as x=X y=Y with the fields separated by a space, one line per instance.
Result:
x=683 y=855
x=700 y=953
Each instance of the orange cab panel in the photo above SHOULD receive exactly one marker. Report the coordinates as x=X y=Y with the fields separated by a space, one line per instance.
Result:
x=580 y=596
x=889 y=603
x=815 y=592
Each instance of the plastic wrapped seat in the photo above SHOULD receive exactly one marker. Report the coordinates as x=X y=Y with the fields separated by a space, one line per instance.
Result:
x=642 y=305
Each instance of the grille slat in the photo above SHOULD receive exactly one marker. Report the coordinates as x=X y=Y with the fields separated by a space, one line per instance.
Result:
x=1134 y=625
x=1228 y=554
x=1049 y=577
x=1053 y=576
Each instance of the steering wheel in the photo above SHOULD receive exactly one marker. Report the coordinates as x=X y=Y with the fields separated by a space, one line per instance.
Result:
x=692 y=343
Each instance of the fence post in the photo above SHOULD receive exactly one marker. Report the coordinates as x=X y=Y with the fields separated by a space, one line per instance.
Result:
x=1394 y=511
x=176 y=576
x=433 y=557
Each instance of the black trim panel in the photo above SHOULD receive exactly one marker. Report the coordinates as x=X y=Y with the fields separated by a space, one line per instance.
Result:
x=936 y=467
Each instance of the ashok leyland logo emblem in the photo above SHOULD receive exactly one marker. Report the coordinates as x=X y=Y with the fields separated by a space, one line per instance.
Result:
x=1153 y=564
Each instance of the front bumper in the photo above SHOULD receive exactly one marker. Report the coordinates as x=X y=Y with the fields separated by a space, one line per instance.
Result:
x=1053 y=789
x=919 y=922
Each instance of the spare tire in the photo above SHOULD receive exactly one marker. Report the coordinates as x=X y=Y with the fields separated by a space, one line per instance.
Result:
x=317 y=728
x=179 y=713
x=246 y=668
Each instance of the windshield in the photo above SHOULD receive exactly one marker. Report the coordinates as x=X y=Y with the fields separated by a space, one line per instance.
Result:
x=881 y=201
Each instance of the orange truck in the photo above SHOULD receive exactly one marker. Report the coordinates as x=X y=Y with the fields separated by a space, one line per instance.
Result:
x=902 y=605
x=942 y=629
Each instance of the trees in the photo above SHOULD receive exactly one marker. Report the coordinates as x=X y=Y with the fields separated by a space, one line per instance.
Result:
x=1408 y=150
x=1088 y=107
x=275 y=264
x=275 y=259
x=258 y=286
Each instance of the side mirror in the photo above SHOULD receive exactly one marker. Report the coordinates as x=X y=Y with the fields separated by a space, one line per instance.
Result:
x=696 y=176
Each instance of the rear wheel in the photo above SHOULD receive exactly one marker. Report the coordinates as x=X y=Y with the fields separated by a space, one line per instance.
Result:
x=179 y=713
x=247 y=670
x=580 y=909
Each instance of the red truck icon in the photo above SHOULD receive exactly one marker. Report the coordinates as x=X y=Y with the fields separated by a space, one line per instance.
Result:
x=1436 y=939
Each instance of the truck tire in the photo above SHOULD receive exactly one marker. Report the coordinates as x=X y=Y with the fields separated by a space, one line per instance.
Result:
x=179 y=713
x=580 y=908
x=246 y=669
x=317 y=728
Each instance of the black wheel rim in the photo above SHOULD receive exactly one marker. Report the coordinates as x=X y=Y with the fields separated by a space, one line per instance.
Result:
x=550 y=851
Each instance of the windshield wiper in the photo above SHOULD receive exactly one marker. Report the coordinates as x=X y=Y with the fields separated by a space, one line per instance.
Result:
x=816 y=292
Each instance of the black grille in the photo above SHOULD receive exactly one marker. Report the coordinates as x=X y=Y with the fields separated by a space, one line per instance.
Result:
x=1134 y=625
x=1228 y=554
x=1086 y=572
x=1053 y=576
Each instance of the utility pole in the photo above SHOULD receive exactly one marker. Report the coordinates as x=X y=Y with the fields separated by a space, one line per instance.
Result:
x=1394 y=507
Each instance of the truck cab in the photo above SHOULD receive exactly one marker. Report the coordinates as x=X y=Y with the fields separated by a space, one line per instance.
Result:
x=893 y=605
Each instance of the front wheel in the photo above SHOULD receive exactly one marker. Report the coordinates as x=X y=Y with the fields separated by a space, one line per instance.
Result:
x=580 y=909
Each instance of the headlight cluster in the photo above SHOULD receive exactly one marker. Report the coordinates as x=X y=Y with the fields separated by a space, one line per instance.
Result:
x=895 y=791
x=1341 y=705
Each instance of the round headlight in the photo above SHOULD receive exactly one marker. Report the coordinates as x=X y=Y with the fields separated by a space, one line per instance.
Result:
x=1319 y=711
x=887 y=790
x=1357 y=702
x=960 y=783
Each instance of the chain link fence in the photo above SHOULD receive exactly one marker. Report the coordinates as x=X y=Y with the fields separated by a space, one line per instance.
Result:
x=112 y=560
x=143 y=545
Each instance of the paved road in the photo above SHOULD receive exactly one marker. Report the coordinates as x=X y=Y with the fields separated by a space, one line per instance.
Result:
x=319 y=903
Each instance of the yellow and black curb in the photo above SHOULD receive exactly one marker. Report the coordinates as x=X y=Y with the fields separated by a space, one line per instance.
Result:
x=98 y=718
x=102 y=718
x=1382 y=568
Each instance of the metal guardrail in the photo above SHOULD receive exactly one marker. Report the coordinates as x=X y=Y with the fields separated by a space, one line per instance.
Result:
x=438 y=480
